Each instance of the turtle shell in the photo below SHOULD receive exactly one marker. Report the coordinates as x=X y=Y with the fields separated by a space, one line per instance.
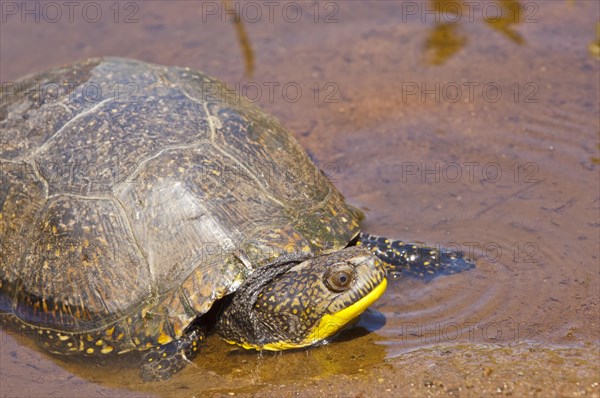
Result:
x=134 y=195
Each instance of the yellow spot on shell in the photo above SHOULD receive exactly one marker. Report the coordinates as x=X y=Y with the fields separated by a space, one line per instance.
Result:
x=164 y=338
x=106 y=349
x=89 y=351
x=99 y=343
x=110 y=331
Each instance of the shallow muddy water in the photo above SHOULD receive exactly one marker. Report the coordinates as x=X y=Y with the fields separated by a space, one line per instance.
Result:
x=448 y=128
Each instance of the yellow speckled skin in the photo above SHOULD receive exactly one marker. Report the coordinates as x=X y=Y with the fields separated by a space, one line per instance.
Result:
x=125 y=212
x=298 y=306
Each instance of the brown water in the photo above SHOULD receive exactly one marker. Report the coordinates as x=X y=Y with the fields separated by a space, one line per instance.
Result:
x=510 y=175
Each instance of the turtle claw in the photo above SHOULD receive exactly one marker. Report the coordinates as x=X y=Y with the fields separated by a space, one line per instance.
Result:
x=162 y=362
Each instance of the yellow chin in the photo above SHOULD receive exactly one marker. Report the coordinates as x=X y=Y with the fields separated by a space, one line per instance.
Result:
x=329 y=325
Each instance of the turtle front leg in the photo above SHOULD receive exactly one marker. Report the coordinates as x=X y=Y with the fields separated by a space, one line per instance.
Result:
x=414 y=259
x=162 y=362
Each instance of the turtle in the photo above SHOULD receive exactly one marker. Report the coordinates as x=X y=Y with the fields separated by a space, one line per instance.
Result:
x=137 y=199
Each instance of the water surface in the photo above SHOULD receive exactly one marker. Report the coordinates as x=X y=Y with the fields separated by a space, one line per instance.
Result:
x=459 y=130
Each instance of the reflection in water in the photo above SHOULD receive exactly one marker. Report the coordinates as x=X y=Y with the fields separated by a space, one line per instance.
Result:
x=595 y=159
x=243 y=39
x=511 y=12
x=445 y=41
x=341 y=357
x=224 y=369
x=595 y=45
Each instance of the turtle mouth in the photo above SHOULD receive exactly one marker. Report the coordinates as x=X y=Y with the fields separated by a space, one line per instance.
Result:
x=330 y=324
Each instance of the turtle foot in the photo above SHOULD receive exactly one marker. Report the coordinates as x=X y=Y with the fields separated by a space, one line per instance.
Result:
x=162 y=362
x=414 y=259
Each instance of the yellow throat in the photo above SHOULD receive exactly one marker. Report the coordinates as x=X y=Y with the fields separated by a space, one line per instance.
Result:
x=329 y=324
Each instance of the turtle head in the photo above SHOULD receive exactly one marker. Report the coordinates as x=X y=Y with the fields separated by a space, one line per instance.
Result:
x=294 y=304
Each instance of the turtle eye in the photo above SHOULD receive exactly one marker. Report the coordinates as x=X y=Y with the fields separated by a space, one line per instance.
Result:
x=338 y=279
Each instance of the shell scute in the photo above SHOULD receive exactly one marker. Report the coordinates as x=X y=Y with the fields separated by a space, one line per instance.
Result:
x=82 y=267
